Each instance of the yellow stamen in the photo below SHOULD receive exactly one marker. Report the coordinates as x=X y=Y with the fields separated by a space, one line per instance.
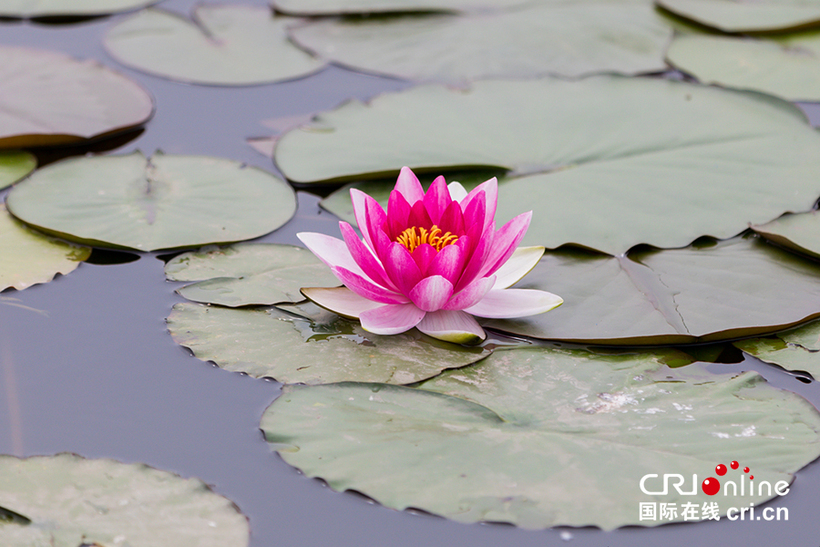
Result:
x=415 y=236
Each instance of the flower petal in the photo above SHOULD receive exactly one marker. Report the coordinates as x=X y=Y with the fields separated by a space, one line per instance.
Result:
x=419 y=217
x=398 y=211
x=409 y=186
x=511 y=303
x=476 y=261
x=369 y=214
x=366 y=288
x=448 y=262
x=452 y=326
x=401 y=268
x=331 y=251
x=364 y=257
x=391 y=319
x=505 y=242
x=437 y=199
x=457 y=191
x=452 y=220
x=340 y=300
x=424 y=255
x=471 y=294
x=431 y=293
x=490 y=190
x=522 y=261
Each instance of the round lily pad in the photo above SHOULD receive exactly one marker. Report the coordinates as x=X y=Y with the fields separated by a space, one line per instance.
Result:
x=28 y=257
x=701 y=293
x=320 y=348
x=62 y=8
x=800 y=233
x=339 y=7
x=796 y=349
x=249 y=274
x=568 y=38
x=539 y=437
x=146 y=204
x=787 y=66
x=68 y=501
x=605 y=162
x=745 y=16
x=48 y=98
x=14 y=165
x=222 y=45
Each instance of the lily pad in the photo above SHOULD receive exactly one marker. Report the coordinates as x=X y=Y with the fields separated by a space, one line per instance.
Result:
x=797 y=349
x=249 y=274
x=567 y=38
x=62 y=8
x=539 y=437
x=222 y=45
x=745 y=16
x=164 y=202
x=68 y=501
x=28 y=257
x=798 y=232
x=698 y=294
x=340 y=7
x=268 y=342
x=48 y=98
x=14 y=165
x=787 y=66
x=608 y=162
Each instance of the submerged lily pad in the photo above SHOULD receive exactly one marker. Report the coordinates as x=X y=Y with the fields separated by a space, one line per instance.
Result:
x=798 y=232
x=224 y=45
x=268 y=342
x=48 y=98
x=797 y=349
x=63 y=8
x=68 y=501
x=145 y=204
x=541 y=438
x=746 y=16
x=787 y=66
x=28 y=257
x=249 y=274
x=14 y=165
x=610 y=162
x=569 y=38
x=697 y=294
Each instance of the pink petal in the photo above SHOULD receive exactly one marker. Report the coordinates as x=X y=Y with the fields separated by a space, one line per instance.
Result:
x=409 y=186
x=363 y=256
x=490 y=190
x=476 y=262
x=471 y=294
x=419 y=217
x=424 y=255
x=368 y=213
x=505 y=242
x=431 y=293
x=511 y=303
x=452 y=326
x=474 y=213
x=452 y=220
x=437 y=199
x=401 y=268
x=366 y=288
x=330 y=250
x=340 y=300
x=522 y=261
x=391 y=319
x=448 y=263
x=457 y=191
x=398 y=211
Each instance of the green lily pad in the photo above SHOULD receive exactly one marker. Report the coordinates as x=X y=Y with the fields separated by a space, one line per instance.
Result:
x=798 y=232
x=62 y=8
x=571 y=39
x=746 y=16
x=48 y=98
x=320 y=348
x=797 y=349
x=146 y=204
x=339 y=7
x=697 y=294
x=540 y=437
x=28 y=257
x=607 y=162
x=68 y=501
x=249 y=274
x=14 y=165
x=787 y=66
x=222 y=45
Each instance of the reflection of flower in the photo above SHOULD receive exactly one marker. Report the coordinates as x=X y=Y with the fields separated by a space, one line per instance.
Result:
x=432 y=262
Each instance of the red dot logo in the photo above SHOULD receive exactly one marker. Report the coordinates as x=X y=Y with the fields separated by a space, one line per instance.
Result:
x=751 y=477
x=745 y=469
x=720 y=469
x=710 y=486
x=734 y=465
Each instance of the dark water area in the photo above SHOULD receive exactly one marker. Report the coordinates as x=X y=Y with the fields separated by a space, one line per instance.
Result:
x=87 y=366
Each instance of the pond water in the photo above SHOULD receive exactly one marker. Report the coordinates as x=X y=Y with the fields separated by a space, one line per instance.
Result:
x=87 y=366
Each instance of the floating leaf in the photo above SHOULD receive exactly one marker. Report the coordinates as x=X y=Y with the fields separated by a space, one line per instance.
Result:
x=746 y=16
x=224 y=45
x=610 y=162
x=62 y=8
x=571 y=39
x=540 y=437
x=799 y=232
x=48 y=98
x=338 y=7
x=787 y=66
x=697 y=294
x=249 y=274
x=323 y=348
x=14 y=165
x=158 y=203
x=28 y=257
x=68 y=501
x=797 y=349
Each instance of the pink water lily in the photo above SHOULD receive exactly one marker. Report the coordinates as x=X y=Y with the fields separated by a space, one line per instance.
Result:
x=432 y=261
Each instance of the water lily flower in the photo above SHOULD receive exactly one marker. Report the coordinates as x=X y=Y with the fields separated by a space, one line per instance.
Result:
x=432 y=261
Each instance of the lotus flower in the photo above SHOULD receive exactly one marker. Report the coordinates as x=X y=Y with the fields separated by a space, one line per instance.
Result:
x=433 y=261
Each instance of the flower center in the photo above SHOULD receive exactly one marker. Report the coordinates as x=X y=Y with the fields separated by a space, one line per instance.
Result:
x=415 y=236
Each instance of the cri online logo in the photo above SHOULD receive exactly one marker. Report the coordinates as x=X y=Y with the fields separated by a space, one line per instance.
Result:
x=711 y=485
